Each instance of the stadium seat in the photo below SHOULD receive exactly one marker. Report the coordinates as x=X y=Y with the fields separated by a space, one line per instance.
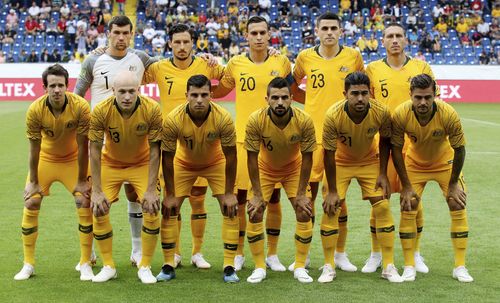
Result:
x=50 y=39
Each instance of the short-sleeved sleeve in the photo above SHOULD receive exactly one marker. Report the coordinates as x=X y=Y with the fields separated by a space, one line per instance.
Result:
x=227 y=131
x=252 y=134
x=155 y=127
x=287 y=67
x=298 y=69
x=97 y=125
x=150 y=73
x=227 y=79
x=33 y=123
x=369 y=73
x=398 y=128
x=217 y=72
x=86 y=75
x=453 y=128
x=360 y=65
x=330 y=133
x=170 y=133
x=308 y=142
x=84 y=119
x=386 y=124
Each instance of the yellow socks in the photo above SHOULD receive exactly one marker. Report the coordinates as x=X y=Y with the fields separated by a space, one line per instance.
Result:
x=342 y=229
x=373 y=232
x=408 y=234
x=29 y=228
x=329 y=235
x=230 y=235
x=420 y=225
x=103 y=233
x=198 y=222
x=178 y=239
x=255 y=235
x=242 y=217
x=169 y=234
x=149 y=237
x=459 y=235
x=303 y=238
x=384 y=224
x=273 y=225
x=85 y=233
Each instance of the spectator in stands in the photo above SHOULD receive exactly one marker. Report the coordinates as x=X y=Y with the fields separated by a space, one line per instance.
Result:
x=350 y=29
x=44 y=56
x=264 y=5
x=464 y=39
x=493 y=56
x=101 y=40
x=412 y=37
x=33 y=57
x=372 y=44
x=34 y=10
x=442 y=28
x=225 y=42
x=420 y=20
x=495 y=12
x=12 y=19
x=202 y=43
x=121 y=6
x=437 y=11
x=56 y=4
x=92 y=32
x=149 y=33
x=75 y=9
x=295 y=12
x=476 y=7
x=85 y=8
x=45 y=10
x=362 y=43
x=420 y=56
x=426 y=44
x=411 y=21
x=81 y=41
x=9 y=34
x=70 y=32
x=61 y=26
x=51 y=29
x=3 y=59
x=55 y=56
x=359 y=20
x=495 y=33
x=436 y=45
x=483 y=28
x=95 y=3
x=484 y=59
x=234 y=49
x=82 y=23
x=345 y=7
x=476 y=38
x=158 y=43
x=65 y=10
x=212 y=27
x=275 y=37
x=30 y=25
x=23 y=56
x=462 y=26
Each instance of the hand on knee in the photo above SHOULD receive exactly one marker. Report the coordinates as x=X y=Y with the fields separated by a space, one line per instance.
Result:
x=33 y=203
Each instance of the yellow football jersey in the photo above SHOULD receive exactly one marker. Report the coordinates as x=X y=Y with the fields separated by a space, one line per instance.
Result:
x=392 y=87
x=198 y=147
x=325 y=80
x=172 y=81
x=355 y=144
x=126 y=141
x=430 y=146
x=280 y=149
x=58 y=135
x=250 y=81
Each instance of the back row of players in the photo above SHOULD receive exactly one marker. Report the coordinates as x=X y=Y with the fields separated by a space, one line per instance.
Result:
x=294 y=149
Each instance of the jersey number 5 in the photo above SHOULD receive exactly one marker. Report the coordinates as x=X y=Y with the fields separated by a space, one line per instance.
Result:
x=384 y=90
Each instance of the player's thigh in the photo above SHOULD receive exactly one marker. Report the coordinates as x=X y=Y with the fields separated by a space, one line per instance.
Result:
x=366 y=176
x=418 y=180
x=443 y=179
x=47 y=174
x=242 y=178
x=112 y=179
x=138 y=177
x=267 y=184
x=215 y=176
x=344 y=175
x=317 y=169
x=69 y=175
x=184 y=180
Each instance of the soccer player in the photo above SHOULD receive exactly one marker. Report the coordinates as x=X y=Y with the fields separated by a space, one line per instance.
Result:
x=390 y=85
x=129 y=127
x=279 y=140
x=351 y=152
x=172 y=75
x=436 y=151
x=57 y=125
x=325 y=66
x=249 y=74
x=98 y=73
x=199 y=140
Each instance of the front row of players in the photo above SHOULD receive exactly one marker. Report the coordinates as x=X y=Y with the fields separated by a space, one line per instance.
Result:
x=198 y=139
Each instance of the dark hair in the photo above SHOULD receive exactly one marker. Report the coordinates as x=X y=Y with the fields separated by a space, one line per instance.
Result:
x=278 y=82
x=328 y=16
x=56 y=70
x=120 y=21
x=257 y=19
x=422 y=81
x=180 y=28
x=356 y=78
x=396 y=25
x=198 y=81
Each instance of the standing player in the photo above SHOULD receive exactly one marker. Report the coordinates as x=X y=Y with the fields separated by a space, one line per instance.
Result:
x=129 y=126
x=199 y=140
x=280 y=141
x=390 y=84
x=57 y=125
x=98 y=73
x=172 y=75
x=326 y=66
x=436 y=151
x=249 y=75
x=351 y=152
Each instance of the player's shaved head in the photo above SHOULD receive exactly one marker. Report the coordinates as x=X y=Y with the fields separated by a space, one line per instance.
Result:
x=126 y=79
x=126 y=90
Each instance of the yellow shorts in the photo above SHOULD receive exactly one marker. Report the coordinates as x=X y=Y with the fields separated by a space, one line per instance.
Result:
x=419 y=179
x=318 y=166
x=50 y=172
x=366 y=176
x=185 y=179
x=112 y=179
x=200 y=182
x=268 y=182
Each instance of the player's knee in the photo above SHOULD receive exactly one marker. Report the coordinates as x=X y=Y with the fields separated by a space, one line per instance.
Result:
x=302 y=216
x=453 y=206
x=275 y=197
x=33 y=203
x=198 y=191
x=258 y=217
x=82 y=202
x=374 y=200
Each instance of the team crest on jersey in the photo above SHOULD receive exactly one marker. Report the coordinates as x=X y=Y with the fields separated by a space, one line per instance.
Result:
x=71 y=124
x=141 y=129
x=294 y=138
x=371 y=131
x=344 y=69
x=438 y=133
x=211 y=136
x=132 y=68
x=275 y=73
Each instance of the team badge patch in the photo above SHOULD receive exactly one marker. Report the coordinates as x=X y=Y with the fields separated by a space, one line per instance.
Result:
x=141 y=129
x=71 y=124
x=294 y=138
x=275 y=73
x=211 y=136
x=344 y=69
x=438 y=133
x=132 y=68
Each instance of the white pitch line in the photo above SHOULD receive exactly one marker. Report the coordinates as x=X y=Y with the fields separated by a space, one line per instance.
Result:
x=482 y=122
x=483 y=152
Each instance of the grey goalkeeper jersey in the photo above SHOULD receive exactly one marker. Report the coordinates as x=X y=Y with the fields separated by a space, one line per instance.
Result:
x=98 y=72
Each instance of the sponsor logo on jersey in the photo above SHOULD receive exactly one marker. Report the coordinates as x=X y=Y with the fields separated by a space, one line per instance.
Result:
x=104 y=73
x=71 y=124
x=243 y=74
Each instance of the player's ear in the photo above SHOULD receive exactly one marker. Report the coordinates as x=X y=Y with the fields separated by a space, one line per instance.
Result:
x=345 y=94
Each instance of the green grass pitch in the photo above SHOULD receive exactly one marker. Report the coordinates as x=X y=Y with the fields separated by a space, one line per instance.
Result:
x=57 y=247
